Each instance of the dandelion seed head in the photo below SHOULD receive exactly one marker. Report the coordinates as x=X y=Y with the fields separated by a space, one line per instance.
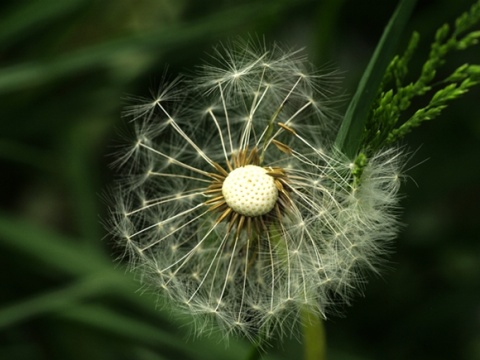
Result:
x=235 y=205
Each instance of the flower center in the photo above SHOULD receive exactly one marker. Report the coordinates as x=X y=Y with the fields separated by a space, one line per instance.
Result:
x=250 y=191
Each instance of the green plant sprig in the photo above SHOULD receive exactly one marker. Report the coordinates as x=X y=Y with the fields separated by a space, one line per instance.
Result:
x=394 y=97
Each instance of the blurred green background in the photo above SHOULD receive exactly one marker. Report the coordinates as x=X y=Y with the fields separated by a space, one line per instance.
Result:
x=66 y=68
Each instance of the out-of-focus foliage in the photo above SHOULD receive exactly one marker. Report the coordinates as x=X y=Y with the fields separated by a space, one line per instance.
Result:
x=66 y=68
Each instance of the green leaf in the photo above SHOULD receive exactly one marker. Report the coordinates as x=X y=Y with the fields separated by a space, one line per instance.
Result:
x=57 y=299
x=60 y=252
x=80 y=149
x=142 y=332
x=28 y=16
x=349 y=136
x=130 y=329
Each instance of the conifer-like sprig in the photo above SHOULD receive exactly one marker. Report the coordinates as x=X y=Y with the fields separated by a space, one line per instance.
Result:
x=237 y=206
x=387 y=123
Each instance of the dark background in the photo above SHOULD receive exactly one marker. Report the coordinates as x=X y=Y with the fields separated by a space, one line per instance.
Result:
x=66 y=68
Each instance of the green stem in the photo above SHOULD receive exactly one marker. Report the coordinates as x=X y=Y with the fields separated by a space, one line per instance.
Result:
x=256 y=352
x=314 y=339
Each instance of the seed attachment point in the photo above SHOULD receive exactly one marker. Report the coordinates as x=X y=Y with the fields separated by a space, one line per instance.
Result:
x=250 y=191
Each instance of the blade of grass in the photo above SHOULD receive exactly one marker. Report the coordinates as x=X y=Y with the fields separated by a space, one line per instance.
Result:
x=30 y=15
x=58 y=299
x=61 y=253
x=67 y=256
x=141 y=332
x=80 y=149
x=16 y=77
x=67 y=302
x=350 y=133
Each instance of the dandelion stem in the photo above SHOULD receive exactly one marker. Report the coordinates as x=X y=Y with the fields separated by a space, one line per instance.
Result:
x=314 y=341
x=256 y=352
